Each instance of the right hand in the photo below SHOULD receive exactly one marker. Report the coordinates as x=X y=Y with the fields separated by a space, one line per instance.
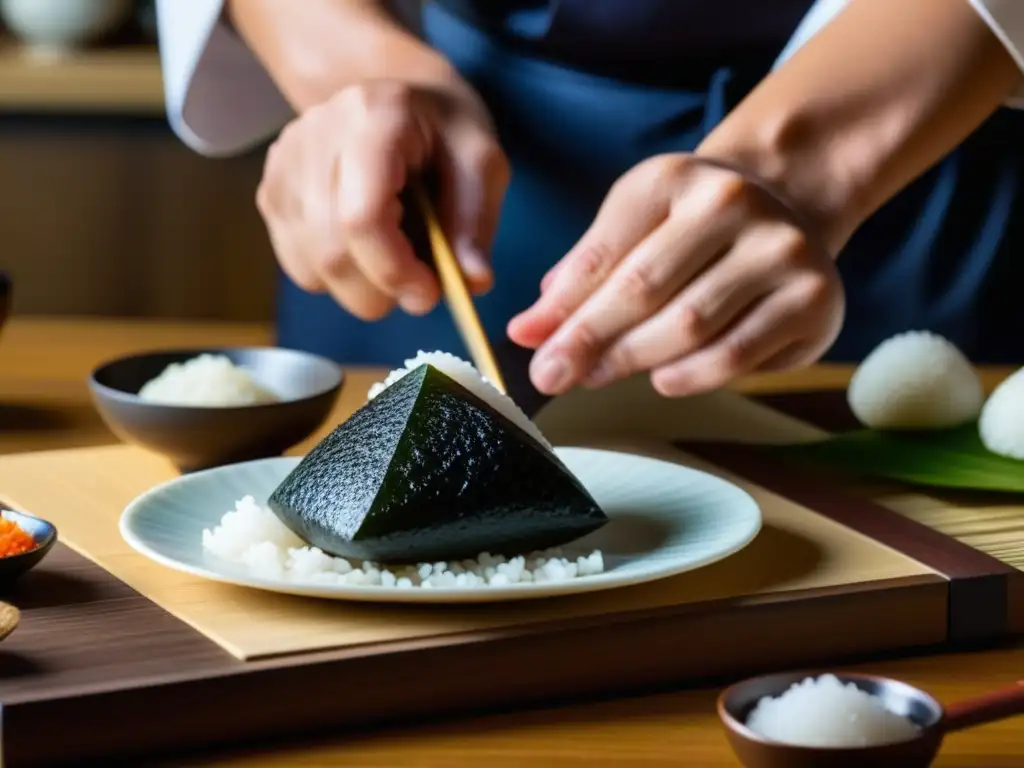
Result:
x=331 y=184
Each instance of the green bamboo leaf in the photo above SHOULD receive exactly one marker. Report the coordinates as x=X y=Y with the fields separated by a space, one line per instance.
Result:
x=950 y=458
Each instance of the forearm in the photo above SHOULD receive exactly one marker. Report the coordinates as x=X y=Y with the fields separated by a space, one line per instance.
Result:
x=870 y=103
x=314 y=48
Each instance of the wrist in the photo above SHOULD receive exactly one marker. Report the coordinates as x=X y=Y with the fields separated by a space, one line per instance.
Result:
x=865 y=107
x=316 y=48
x=802 y=162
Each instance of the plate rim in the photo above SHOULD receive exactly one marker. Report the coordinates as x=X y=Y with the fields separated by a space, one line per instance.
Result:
x=439 y=595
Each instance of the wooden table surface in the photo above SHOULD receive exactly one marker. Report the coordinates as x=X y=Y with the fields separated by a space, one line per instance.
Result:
x=121 y=80
x=44 y=404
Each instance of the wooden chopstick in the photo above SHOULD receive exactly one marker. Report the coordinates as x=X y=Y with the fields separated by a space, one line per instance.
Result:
x=457 y=295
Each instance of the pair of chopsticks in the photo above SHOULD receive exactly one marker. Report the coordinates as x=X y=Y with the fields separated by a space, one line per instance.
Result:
x=456 y=293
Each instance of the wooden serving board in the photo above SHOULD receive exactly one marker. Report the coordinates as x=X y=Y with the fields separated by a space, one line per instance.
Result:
x=176 y=663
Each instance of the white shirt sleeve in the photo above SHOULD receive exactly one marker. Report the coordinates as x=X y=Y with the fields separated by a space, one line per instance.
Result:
x=1006 y=20
x=1004 y=17
x=220 y=100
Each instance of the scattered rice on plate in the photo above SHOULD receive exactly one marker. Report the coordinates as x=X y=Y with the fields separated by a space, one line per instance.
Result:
x=251 y=535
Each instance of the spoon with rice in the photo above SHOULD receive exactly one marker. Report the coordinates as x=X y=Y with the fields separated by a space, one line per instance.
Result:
x=797 y=720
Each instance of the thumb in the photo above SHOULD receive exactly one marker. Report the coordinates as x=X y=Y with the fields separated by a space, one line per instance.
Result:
x=474 y=188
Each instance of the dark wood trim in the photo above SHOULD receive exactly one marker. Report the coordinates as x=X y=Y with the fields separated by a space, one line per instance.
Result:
x=193 y=695
x=939 y=552
x=979 y=584
x=824 y=408
x=1016 y=601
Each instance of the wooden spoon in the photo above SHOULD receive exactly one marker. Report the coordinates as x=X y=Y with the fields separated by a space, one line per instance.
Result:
x=987 y=708
x=10 y=617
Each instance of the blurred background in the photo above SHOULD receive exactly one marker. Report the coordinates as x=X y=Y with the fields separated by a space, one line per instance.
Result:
x=104 y=211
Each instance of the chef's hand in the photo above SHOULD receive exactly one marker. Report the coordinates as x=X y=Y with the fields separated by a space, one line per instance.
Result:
x=331 y=184
x=689 y=271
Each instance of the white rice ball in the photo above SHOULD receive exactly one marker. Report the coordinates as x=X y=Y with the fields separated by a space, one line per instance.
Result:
x=915 y=380
x=206 y=381
x=1001 y=424
x=468 y=376
x=825 y=712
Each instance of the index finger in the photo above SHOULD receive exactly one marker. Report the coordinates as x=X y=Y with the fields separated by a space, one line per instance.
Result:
x=619 y=226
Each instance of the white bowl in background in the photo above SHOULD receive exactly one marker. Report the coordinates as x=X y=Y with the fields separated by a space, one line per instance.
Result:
x=63 y=25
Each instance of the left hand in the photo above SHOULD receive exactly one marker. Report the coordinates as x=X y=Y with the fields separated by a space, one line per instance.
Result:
x=689 y=271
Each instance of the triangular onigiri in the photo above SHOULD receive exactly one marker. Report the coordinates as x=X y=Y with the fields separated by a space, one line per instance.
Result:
x=428 y=471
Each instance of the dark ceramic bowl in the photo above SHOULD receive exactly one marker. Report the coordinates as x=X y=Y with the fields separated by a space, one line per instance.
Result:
x=756 y=751
x=45 y=536
x=202 y=437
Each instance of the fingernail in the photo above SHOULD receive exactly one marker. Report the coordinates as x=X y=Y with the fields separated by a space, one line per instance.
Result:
x=416 y=301
x=600 y=376
x=474 y=264
x=672 y=385
x=552 y=374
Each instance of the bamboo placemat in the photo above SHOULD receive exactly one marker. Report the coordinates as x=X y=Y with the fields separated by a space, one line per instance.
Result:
x=84 y=492
x=995 y=527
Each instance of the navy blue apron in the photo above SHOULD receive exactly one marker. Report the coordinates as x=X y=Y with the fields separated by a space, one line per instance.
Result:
x=581 y=90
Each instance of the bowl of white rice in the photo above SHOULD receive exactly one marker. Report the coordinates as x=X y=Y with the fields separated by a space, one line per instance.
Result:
x=203 y=408
x=805 y=719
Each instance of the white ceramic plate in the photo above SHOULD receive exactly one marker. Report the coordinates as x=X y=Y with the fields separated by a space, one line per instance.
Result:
x=665 y=519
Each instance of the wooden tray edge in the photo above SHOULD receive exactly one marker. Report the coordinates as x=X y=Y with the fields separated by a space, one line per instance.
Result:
x=980 y=601
x=261 y=701
x=1016 y=599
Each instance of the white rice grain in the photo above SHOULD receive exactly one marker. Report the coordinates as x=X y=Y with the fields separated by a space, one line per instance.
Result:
x=468 y=376
x=206 y=381
x=252 y=536
x=825 y=712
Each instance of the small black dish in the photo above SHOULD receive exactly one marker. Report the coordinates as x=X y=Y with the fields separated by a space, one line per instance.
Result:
x=195 y=437
x=44 y=533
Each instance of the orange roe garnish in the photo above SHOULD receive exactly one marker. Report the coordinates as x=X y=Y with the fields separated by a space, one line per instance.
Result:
x=14 y=540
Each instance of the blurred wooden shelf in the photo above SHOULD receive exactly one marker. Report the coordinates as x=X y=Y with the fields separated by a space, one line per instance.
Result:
x=123 y=80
